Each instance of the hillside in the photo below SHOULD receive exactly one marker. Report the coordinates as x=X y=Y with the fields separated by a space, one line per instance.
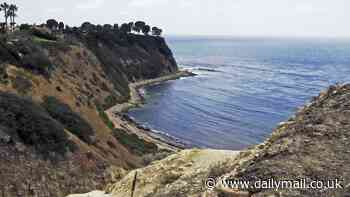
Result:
x=313 y=145
x=55 y=137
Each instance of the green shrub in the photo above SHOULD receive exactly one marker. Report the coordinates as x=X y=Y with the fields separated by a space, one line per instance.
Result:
x=25 y=27
x=28 y=122
x=110 y=101
x=104 y=117
x=70 y=119
x=43 y=34
x=134 y=143
x=37 y=61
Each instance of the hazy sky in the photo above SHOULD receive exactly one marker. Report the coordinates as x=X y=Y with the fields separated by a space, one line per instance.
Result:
x=319 y=18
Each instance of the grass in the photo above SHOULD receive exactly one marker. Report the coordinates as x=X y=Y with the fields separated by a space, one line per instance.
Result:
x=25 y=120
x=130 y=141
x=104 y=117
x=109 y=101
x=42 y=40
x=70 y=119
x=134 y=143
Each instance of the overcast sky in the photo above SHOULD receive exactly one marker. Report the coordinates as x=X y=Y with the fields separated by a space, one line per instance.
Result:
x=296 y=18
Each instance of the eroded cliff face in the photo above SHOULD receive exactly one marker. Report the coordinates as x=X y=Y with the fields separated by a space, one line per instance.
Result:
x=54 y=135
x=313 y=145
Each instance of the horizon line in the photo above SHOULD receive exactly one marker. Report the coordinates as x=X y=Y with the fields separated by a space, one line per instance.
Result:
x=255 y=36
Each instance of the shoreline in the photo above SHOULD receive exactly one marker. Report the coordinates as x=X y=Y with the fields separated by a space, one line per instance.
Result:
x=117 y=113
x=135 y=97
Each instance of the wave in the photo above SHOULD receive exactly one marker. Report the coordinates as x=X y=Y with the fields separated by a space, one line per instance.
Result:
x=202 y=69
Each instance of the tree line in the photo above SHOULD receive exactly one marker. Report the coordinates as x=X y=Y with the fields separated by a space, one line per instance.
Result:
x=10 y=12
x=136 y=27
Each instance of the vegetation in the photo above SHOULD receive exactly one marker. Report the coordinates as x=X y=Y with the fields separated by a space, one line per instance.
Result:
x=44 y=35
x=134 y=143
x=24 y=27
x=67 y=117
x=104 y=117
x=156 y=31
x=52 y=24
x=131 y=141
x=26 y=121
x=125 y=28
x=110 y=101
x=9 y=12
x=138 y=26
x=12 y=14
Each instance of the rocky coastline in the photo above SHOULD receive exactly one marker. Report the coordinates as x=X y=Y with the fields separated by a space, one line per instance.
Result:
x=118 y=113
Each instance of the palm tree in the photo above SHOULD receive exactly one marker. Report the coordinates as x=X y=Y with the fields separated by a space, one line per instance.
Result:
x=12 y=14
x=5 y=7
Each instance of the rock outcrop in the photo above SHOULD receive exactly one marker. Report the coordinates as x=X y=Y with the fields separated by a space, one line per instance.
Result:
x=181 y=174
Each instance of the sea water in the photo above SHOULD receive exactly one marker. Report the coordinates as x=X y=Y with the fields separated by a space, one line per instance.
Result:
x=244 y=87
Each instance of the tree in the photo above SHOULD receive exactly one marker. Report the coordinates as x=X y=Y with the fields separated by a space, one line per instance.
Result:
x=2 y=27
x=23 y=27
x=125 y=28
x=116 y=27
x=107 y=27
x=52 y=24
x=86 y=27
x=156 y=31
x=130 y=26
x=146 y=29
x=99 y=28
x=5 y=7
x=139 y=25
x=67 y=29
x=61 y=26
x=12 y=14
x=135 y=29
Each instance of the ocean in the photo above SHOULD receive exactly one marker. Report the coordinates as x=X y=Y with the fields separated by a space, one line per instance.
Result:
x=244 y=87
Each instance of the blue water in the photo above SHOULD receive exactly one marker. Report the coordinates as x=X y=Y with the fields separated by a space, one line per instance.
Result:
x=257 y=84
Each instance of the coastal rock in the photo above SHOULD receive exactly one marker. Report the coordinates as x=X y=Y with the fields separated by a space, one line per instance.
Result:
x=181 y=174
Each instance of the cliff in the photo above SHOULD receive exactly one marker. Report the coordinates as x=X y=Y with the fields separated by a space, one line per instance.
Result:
x=313 y=145
x=55 y=137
